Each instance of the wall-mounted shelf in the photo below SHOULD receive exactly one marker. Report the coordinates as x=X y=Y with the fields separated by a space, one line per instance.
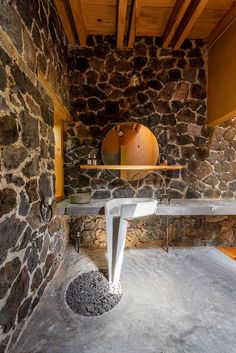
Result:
x=131 y=167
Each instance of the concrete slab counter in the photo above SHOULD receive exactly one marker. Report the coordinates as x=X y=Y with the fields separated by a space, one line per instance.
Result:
x=175 y=208
x=204 y=210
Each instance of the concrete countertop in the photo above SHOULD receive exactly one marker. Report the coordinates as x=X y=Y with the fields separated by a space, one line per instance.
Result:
x=197 y=208
x=175 y=208
x=95 y=207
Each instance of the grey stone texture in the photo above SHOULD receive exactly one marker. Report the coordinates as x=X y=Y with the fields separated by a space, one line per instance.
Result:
x=26 y=116
x=170 y=100
x=152 y=230
x=90 y=294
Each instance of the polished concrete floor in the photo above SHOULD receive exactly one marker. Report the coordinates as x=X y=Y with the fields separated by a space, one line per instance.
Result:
x=181 y=302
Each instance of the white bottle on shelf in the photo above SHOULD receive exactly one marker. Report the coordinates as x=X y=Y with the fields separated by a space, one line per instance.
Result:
x=89 y=160
x=94 y=160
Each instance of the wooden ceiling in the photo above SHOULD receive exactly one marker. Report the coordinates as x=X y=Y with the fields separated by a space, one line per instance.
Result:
x=173 y=20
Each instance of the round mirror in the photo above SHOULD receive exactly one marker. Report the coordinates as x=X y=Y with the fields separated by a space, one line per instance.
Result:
x=130 y=144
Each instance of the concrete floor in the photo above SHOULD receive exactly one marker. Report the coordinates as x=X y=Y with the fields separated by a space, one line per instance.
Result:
x=181 y=302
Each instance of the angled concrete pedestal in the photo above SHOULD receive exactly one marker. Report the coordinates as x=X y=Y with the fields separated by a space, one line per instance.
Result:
x=118 y=212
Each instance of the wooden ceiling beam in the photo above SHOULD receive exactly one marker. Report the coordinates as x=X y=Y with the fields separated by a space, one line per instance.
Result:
x=134 y=21
x=61 y=113
x=121 y=19
x=188 y=21
x=174 y=21
x=222 y=26
x=65 y=20
x=76 y=10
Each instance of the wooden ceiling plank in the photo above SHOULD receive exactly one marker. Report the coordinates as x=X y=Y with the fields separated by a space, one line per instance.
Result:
x=65 y=20
x=222 y=25
x=134 y=21
x=158 y=3
x=76 y=10
x=121 y=22
x=220 y=4
x=174 y=21
x=188 y=21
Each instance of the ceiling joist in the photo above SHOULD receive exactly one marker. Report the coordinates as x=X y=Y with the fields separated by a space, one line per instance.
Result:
x=121 y=20
x=222 y=26
x=134 y=21
x=65 y=20
x=188 y=21
x=174 y=21
x=79 y=21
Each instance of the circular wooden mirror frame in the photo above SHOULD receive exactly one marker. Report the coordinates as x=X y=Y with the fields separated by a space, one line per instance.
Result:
x=130 y=143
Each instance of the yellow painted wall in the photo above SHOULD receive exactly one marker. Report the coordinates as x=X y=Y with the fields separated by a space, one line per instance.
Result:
x=222 y=78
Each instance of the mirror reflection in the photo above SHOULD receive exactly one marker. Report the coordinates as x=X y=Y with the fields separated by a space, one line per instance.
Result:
x=130 y=144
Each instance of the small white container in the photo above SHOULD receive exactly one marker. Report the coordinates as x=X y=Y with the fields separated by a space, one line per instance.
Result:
x=94 y=160
x=89 y=160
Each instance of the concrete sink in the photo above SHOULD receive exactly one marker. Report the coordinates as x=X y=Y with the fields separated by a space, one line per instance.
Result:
x=118 y=212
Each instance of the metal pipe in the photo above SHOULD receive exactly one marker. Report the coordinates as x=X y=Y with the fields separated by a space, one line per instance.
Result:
x=150 y=172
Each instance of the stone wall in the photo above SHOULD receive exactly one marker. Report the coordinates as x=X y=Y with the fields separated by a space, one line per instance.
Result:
x=170 y=100
x=30 y=250
x=152 y=230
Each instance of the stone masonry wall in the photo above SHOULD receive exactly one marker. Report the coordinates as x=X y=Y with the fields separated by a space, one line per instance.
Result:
x=170 y=100
x=30 y=250
x=152 y=230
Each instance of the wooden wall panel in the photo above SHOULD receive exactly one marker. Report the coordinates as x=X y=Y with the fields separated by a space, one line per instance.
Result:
x=222 y=78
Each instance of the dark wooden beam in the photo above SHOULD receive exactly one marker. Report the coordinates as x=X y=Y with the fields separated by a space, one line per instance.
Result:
x=134 y=21
x=194 y=11
x=121 y=20
x=174 y=21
